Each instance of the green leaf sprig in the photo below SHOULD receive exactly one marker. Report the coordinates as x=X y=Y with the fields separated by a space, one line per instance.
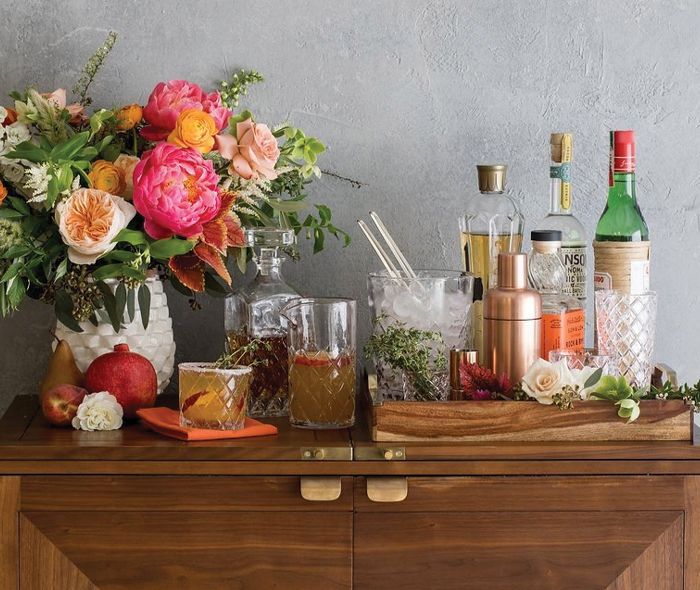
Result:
x=622 y=394
x=243 y=355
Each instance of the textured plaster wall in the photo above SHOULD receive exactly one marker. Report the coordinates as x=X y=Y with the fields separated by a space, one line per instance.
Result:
x=409 y=96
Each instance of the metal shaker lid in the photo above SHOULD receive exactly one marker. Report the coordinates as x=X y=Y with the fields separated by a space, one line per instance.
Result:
x=512 y=299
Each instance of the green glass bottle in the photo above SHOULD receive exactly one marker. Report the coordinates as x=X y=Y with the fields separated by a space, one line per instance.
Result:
x=622 y=237
x=622 y=220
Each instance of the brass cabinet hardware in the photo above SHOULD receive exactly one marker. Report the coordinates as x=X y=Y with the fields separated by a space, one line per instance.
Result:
x=387 y=489
x=379 y=453
x=326 y=453
x=321 y=488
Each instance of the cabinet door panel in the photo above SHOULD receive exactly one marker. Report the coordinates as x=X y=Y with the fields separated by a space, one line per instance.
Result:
x=185 y=550
x=586 y=532
x=505 y=550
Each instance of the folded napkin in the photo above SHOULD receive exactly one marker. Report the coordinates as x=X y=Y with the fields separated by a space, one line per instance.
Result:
x=167 y=422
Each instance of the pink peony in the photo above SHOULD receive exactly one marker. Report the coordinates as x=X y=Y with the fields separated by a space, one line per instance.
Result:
x=169 y=99
x=253 y=153
x=175 y=190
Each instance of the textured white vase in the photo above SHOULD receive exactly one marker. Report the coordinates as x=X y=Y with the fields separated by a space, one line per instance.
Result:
x=156 y=342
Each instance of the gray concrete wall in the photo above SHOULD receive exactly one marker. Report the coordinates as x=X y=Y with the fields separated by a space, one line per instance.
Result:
x=409 y=96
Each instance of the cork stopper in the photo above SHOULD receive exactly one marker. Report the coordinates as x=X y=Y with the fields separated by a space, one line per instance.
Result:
x=561 y=147
x=492 y=178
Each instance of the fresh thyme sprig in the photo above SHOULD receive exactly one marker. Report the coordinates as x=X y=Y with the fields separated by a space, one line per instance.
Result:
x=236 y=86
x=419 y=354
x=92 y=67
x=690 y=394
x=242 y=356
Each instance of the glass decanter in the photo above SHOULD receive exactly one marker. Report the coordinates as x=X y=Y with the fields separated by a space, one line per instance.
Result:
x=253 y=312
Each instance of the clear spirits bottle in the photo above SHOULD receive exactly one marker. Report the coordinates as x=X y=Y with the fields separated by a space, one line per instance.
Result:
x=491 y=224
x=563 y=316
x=253 y=312
x=574 y=243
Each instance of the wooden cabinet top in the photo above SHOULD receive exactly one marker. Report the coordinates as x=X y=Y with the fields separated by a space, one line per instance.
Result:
x=28 y=444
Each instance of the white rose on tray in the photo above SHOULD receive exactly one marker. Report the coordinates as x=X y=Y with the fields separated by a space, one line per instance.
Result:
x=544 y=379
x=99 y=411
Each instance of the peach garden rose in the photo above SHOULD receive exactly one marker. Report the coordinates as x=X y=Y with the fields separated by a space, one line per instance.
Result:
x=253 y=153
x=176 y=191
x=89 y=220
x=126 y=164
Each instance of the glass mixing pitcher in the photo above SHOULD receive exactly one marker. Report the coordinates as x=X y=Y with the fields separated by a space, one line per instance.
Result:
x=321 y=345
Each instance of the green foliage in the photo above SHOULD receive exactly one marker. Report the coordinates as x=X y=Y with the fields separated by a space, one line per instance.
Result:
x=419 y=354
x=92 y=67
x=237 y=85
x=690 y=394
x=622 y=394
x=243 y=355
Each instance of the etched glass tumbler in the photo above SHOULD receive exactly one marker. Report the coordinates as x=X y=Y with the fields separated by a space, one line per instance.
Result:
x=626 y=330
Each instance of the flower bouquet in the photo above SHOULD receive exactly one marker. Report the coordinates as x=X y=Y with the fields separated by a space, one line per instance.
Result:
x=91 y=204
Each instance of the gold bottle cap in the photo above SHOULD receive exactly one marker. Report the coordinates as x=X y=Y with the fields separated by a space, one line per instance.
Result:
x=556 y=141
x=492 y=177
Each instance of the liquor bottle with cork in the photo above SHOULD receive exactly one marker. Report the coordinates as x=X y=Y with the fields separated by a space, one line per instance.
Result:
x=622 y=237
x=574 y=243
x=491 y=224
x=563 y=316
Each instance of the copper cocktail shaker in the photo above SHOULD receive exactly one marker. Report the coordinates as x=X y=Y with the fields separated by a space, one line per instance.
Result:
x=512 y=320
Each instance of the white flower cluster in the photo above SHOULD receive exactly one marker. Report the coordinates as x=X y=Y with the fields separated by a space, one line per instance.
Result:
x=10 y=136
x=99 y=411
x=544 y=379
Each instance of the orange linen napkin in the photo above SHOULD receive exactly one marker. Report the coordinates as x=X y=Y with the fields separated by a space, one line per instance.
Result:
x=167 y=422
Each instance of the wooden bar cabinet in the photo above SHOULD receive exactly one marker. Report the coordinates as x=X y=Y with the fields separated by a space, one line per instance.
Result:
x=308 y=510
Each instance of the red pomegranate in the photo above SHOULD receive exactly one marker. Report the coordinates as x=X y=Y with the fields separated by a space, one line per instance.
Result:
x=127 y=375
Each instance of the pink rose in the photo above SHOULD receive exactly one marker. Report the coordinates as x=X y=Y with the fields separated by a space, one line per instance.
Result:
x=254 y=153
x=58 y=99
x=175 y=190
x=169 y=99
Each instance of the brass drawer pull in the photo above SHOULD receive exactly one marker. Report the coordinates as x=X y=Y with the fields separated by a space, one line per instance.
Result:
x=321 y=488
x=387 y=489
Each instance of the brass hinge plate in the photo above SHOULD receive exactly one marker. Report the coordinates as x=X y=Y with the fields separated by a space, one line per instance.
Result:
x=380 y=453
x=326 y=453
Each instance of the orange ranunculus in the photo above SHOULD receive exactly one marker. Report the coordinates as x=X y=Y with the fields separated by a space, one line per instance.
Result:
x=10 y=118
x=107 y=177
x=194 y=129
x=128 y=117
x=3 y=192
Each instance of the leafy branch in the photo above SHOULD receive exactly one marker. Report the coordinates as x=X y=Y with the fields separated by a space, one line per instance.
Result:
x=419 y=354
x=92 y=67
x=236 y=86
x=243 y=355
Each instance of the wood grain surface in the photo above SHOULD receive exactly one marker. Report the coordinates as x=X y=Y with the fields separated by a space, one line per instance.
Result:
x=9 y=513
x=190 y=550
x=474 y=421
x=509 y=550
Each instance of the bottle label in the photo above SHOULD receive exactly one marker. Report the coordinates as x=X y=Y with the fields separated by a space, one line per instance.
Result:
x=563 y=173
x=639 y=277
x=563 y=330
x=574 y=259
x=602 y=281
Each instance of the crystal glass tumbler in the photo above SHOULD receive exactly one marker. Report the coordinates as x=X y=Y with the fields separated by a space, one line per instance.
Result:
x=213 y=398
x=589 y=357
x=437 y=301
x=626 y=330
x=322 y=356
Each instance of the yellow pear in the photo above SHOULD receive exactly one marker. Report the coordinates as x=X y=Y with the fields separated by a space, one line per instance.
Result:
x=62 y=369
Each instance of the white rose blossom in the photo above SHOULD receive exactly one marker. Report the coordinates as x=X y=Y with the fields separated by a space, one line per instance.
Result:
x=12 y=170
x=16 y=134
x=99 y=411
x=543 y=379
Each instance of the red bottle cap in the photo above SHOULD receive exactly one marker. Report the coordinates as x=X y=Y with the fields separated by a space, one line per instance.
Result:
x=624 y=151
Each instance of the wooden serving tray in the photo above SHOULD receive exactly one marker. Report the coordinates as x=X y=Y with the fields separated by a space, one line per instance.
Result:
x=488 y=421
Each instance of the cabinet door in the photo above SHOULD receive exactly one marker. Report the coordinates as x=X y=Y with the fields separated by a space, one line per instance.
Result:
x=532 y=533
x=181 y=532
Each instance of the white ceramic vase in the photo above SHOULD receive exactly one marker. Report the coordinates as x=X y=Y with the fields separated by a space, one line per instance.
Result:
x=156 y=342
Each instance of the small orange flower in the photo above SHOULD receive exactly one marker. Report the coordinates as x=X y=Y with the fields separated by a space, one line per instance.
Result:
x=194 y=129
x=11 y=116
x=3 y=192
x=128 y=117
x=107 y=177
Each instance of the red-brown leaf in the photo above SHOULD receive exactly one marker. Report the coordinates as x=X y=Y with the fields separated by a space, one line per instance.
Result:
x=228 y=198
x=209 y=255
x=214 y=233
x=234 y=231
x=189 y=270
